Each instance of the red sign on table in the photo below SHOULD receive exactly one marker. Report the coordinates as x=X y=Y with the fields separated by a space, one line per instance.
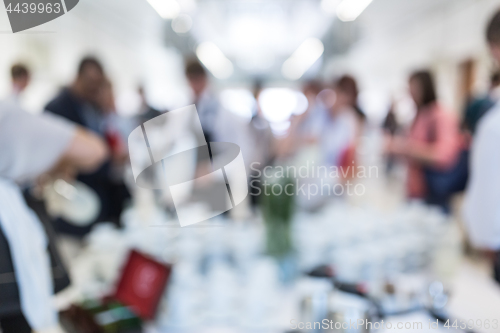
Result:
x=142 y=284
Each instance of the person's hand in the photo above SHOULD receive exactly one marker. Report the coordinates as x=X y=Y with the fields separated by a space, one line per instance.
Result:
x=467 y=138
x=397 y=146
x=62 y=170
x=203 y=169
x=120 y=158
x=311 y=140
x=490 y=255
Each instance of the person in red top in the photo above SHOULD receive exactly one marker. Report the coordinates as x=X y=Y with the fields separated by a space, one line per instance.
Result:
x=434 y=140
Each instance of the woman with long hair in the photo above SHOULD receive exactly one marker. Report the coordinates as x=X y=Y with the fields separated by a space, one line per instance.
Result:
x=433 y=141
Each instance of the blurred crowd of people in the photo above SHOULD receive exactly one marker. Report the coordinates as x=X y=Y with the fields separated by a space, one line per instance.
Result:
x=81 y=136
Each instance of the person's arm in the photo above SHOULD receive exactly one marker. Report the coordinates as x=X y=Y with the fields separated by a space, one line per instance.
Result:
x=86 y=151
x=32 y=146
x=442 y=152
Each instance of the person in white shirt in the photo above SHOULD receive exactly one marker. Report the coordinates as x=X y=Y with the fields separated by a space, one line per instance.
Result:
x=21 y=78
x=207 y=103
x=482 y=201
x=341 y=127
x=306 y=127
x=218 y=123
x=32 y=145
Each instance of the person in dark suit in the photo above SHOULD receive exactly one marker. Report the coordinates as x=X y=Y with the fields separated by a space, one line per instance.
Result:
x=478 y=107
x=80 y=104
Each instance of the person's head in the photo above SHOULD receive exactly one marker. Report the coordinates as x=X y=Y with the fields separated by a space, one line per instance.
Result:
x=20 y=76
x=257 y=88
x=495 y=80
x=196 y=76
x=346 y=93
x=493 y=36
x=422 y=89
x=141 y=92
x=89 y=79
x=311 y=89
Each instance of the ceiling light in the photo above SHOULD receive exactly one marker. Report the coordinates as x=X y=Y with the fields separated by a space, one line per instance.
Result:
x=214 y=60
x=278 y=104
x=302 y=59
x=167 y=9
x=349 y=10
x=329 y=6
x=239 y=101
x=182 y=24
